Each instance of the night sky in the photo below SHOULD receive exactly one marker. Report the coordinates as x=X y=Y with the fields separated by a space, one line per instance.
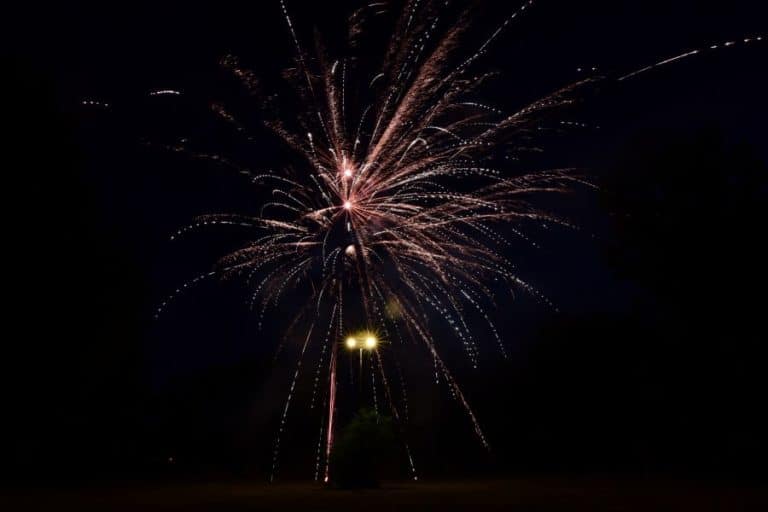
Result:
x=655 y=361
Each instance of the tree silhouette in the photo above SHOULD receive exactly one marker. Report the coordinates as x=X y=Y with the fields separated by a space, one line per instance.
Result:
x=361 y=450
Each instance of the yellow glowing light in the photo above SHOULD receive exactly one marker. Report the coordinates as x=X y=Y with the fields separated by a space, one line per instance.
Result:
x=347 y=205
x=347 y=173
x=370 y=342
x=351 y=342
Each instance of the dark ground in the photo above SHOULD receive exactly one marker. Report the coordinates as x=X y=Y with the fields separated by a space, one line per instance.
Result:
x=543 y=494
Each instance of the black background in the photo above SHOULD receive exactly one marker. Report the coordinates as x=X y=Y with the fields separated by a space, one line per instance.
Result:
x=655 y=362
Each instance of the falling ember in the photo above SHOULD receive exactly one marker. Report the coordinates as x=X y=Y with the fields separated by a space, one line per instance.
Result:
x=428 y=209
x=331 y=412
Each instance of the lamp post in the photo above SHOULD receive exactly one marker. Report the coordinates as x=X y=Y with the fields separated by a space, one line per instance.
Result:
x=365 y=341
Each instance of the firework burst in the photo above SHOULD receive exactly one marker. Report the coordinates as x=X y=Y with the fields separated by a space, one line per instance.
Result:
x=398 y=208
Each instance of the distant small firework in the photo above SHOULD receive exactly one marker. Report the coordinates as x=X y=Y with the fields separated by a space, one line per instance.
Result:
x=165 y=92
x=398 y=211
x=94 y=103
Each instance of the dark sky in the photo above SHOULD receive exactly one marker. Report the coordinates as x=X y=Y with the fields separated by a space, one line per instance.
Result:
x=653 y=362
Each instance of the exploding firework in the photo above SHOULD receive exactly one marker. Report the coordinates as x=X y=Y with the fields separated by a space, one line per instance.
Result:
x=397 y=208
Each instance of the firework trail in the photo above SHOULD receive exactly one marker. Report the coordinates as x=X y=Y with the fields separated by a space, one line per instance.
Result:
x=395 y=208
